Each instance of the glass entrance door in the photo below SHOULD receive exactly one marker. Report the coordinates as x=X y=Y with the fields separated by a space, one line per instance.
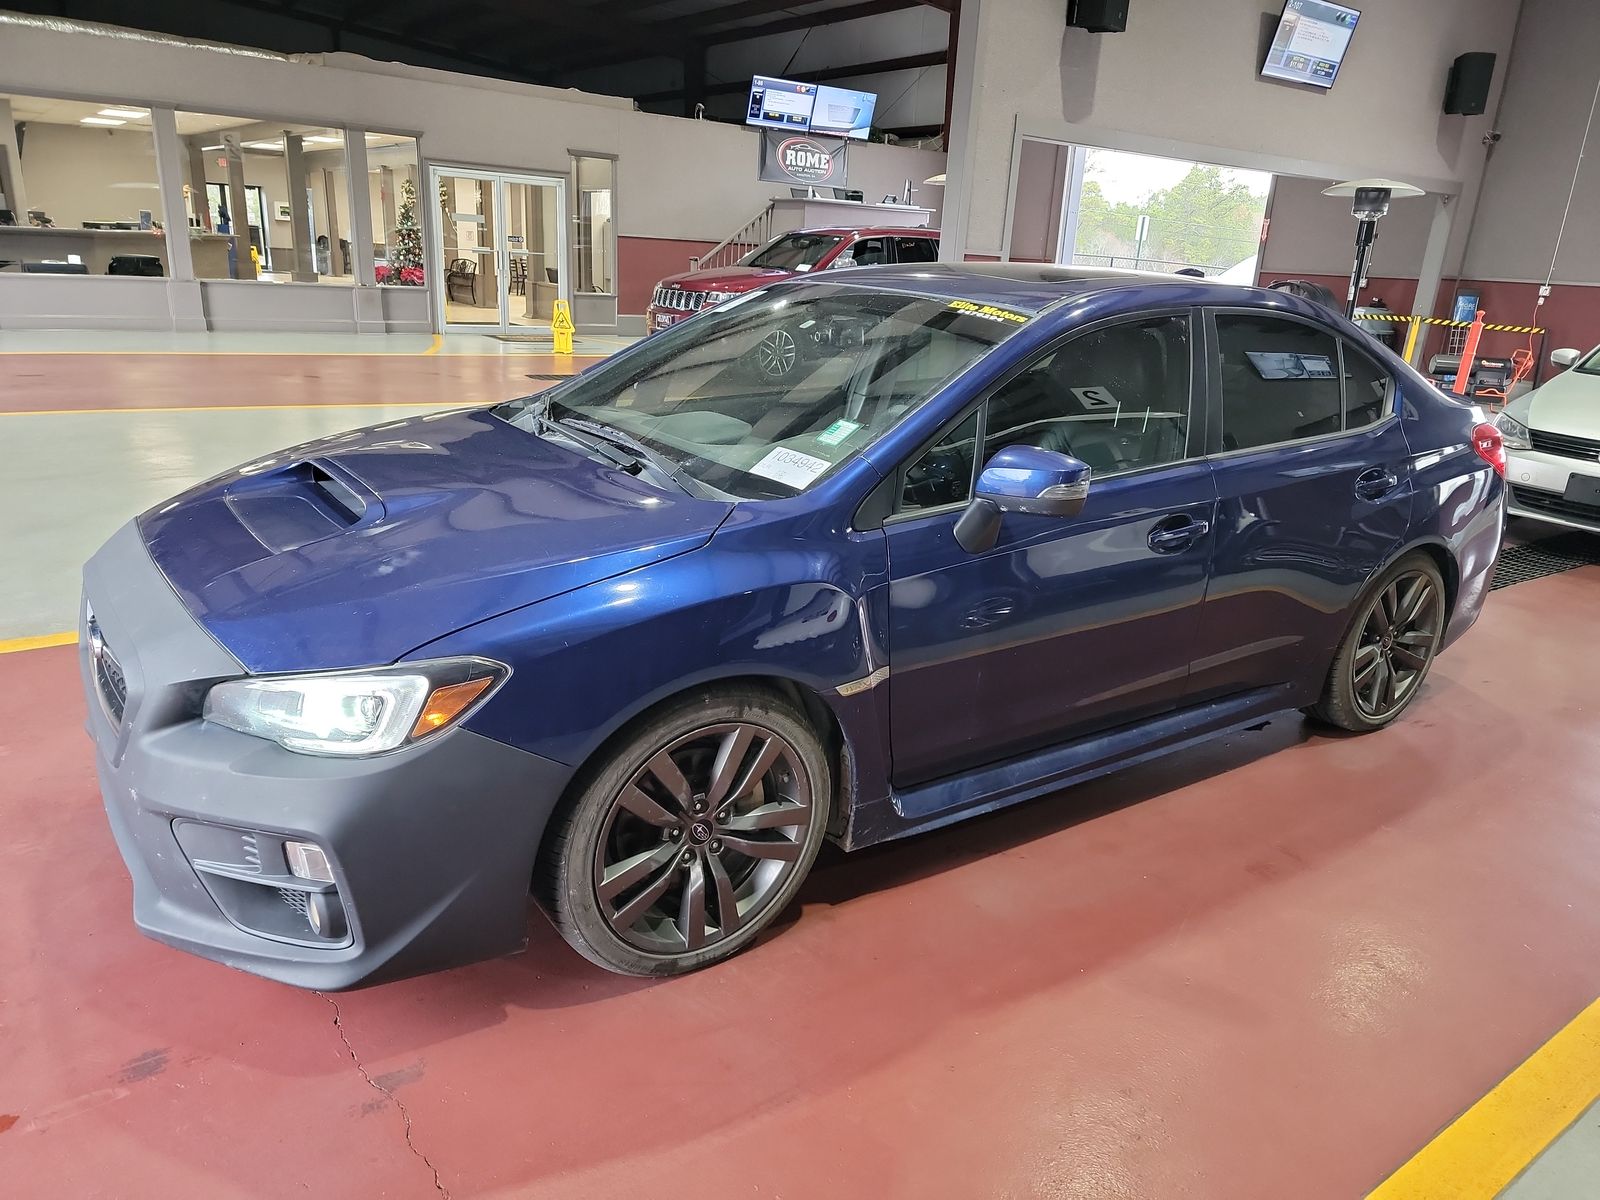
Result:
x=502 y=243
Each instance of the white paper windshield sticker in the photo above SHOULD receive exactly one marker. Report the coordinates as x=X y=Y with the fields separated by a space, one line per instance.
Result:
x=790 y=467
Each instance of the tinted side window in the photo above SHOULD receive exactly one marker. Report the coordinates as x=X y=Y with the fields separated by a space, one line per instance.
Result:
x=868 y=252
x=943 y=473
x=1280 y=381
x=1366 y=389
x=1117 y=398
x=917 y=249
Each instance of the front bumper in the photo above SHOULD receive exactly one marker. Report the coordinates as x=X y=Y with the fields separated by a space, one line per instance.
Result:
x=1538 y=486
x=657 y=318
x=431 y=847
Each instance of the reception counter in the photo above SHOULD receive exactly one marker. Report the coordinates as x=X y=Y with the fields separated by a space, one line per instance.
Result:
x=96 y=248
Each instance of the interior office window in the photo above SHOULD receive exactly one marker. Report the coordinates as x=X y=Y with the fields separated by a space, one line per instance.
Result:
x=267 y=200
x=917 y=249
x=395 y=195
x=1366 y=389
x=1280 y=381
x=1117 y=398
x=81 y=197
x=595 y=246
x=942 y=474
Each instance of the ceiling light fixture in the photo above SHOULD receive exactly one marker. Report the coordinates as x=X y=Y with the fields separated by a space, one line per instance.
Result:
x=101 y=121
x=131 y=114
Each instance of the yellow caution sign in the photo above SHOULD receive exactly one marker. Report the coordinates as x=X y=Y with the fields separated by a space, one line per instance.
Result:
x=561 y=327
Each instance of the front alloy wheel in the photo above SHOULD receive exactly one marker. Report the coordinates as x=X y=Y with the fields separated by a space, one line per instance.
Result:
x=691 y=837
x=701 y=837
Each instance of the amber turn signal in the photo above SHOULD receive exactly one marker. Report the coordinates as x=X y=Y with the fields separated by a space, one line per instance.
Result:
x=449 y=702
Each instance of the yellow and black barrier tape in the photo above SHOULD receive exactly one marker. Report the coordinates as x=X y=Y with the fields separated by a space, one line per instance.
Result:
x=1448 y=322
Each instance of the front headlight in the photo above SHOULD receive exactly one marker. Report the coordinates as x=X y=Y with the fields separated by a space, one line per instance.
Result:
x=352 y=713
x=1513 y=432
x=717 y=298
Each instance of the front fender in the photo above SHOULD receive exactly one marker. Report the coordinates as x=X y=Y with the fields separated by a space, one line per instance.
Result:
x=586 y=663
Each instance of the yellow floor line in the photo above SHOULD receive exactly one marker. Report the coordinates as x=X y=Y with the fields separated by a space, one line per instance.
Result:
x=1487 y=1146
x=433 y=347
x=37 y=643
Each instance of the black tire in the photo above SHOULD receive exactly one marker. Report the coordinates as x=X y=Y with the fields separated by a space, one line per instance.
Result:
x=1388 y=650
x=631 y=827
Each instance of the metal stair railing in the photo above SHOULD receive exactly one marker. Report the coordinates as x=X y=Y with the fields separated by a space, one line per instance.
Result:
x=753 y=234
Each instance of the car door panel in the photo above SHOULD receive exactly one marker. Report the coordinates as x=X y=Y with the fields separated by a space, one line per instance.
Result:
x=1301 y=527
x=1065 y=627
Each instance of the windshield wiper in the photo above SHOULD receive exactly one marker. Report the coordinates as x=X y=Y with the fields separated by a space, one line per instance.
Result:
x=621 y=448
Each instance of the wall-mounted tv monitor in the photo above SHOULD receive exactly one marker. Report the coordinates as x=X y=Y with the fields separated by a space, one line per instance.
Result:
x=1310 y=43
x=780 y=103
x=840 y=112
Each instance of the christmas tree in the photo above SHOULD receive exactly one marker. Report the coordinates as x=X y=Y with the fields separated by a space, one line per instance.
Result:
x=405 y=259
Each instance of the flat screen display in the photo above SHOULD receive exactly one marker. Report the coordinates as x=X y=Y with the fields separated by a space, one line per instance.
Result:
x=840 y=112
x=780 y=104
x=1310 y=43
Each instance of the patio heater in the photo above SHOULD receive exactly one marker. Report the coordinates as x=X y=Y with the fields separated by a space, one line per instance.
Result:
x=1369 y=201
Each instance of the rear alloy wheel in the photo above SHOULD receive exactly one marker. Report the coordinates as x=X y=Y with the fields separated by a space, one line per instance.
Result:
x=1389 y=649
x=693 y=838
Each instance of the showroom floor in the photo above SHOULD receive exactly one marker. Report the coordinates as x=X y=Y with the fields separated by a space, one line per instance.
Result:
x=1278 y=966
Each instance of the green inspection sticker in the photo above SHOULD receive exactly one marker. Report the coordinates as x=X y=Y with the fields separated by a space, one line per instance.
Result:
x=837 y=432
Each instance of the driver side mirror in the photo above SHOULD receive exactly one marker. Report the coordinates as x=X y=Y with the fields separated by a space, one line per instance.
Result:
x=1022 y=479
x=1564 y=357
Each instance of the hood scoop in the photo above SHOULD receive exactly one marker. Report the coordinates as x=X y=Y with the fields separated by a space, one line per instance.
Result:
x=300 y=504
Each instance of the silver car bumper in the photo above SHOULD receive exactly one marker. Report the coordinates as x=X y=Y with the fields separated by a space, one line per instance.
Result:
x=1538 y=490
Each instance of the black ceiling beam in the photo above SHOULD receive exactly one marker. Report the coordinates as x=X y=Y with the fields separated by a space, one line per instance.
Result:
x=338 y=27
x=830 y=16
x=883 y=66
x=670 y=38
x=743 y=10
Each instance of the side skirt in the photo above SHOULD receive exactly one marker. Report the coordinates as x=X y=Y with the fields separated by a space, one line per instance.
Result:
x=986 y=789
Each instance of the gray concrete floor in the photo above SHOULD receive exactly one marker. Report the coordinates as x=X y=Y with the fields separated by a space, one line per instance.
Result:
x=1569 y=1169
x=69 y=480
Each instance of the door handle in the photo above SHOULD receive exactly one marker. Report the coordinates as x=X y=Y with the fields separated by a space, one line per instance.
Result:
x=1172 y=534
x=1376 y=483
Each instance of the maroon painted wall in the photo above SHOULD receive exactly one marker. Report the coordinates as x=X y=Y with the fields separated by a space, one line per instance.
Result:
x=644 y=262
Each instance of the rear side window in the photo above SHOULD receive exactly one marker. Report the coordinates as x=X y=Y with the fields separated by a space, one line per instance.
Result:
x=917 y=249
x=1366 y=390
x=1280 y=381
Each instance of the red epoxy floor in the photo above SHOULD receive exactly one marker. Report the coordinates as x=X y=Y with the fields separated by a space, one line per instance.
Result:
x=1271 y=969
x=71 y=382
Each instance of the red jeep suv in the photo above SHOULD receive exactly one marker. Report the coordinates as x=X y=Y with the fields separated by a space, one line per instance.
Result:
x=786 y=256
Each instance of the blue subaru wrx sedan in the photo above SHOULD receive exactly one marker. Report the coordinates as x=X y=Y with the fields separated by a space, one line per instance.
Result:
x=842 y=558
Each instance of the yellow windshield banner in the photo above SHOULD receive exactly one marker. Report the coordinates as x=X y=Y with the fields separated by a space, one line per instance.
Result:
x=988 y=311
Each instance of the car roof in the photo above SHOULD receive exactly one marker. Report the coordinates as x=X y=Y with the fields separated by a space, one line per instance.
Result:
x=1031 y=287
x=870 y=230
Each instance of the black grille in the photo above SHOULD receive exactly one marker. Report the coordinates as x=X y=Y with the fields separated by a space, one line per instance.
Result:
x=1567 y=447
x=1551 y=556
x=295 y=900
x=112 y=683
x=680 y=298
x=1554 y=504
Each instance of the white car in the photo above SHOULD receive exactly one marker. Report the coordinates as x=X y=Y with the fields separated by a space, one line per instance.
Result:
x=1552 y=441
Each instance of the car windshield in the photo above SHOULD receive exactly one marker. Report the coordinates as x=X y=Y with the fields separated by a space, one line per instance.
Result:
x=794 y=252
x=1590 y=365
x=762 y=396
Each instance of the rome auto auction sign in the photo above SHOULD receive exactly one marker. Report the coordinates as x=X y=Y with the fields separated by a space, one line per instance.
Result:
x=802 y=159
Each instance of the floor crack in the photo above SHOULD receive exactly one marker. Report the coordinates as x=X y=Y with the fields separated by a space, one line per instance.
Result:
x=405 y=1113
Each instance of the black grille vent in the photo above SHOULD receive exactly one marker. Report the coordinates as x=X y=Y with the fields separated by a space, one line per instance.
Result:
x=295 y=900
x=112 y=683
x=1554 y=503
x=1562 y=444
x=1535 y=560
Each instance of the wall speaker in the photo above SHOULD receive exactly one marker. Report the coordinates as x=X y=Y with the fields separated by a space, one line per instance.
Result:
x=1467 y=93
x=1098 y=16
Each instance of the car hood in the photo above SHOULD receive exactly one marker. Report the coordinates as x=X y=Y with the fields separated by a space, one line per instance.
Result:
x=1569 y=404
x=726 y=279
x=354 y=550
